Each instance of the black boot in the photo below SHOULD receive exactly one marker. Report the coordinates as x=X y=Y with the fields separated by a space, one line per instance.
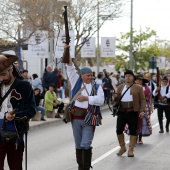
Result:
x=79 y=158
x=161 y=127
x=87 y=156
x=167 y=126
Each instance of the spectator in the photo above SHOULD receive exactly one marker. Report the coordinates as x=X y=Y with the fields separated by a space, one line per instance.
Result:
x=38 y=96
x=50 y=78
x=99 y=79
x=51 y=102
x=26 y=77
x=37 y=83
x=60 y=107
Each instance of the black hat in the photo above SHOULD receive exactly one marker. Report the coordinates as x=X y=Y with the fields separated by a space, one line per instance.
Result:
x=129 y=72
x=140 y=77
x=165 y=78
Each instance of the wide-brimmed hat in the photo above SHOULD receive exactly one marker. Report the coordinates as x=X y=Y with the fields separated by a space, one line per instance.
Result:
x=165 y=78
x=129 y=72
x=6 y=60
x=140 y=77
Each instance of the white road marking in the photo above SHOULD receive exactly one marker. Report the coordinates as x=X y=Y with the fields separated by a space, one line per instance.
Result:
x=115 y=149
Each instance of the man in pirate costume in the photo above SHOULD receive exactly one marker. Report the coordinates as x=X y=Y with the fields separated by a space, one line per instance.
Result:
x=17 y=106
x=85 y=112
x=131 y=100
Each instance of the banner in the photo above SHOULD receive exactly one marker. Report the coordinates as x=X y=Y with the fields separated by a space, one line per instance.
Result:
x=107 y=46
x=89 y=48
x=38 y=45
x=59 y=40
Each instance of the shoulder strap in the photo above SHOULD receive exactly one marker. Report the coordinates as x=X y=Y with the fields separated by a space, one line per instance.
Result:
x=167 y=89
x=7 y=93
x=126 y=91
x=76 y=95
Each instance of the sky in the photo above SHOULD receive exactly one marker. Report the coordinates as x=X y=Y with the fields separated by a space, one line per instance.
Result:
x=154 y=14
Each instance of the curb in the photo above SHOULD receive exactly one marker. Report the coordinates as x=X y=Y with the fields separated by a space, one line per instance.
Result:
x=33 y=125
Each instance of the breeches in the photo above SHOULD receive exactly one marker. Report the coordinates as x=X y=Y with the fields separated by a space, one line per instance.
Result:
x=131 y=118
x=83 y=134
x=14 y=156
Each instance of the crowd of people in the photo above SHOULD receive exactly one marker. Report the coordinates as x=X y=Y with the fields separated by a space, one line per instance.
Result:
x=136 y=96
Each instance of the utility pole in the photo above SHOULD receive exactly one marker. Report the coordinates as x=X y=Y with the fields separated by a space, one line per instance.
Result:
x=98 y=48
x=131 y=36
x=51 y=26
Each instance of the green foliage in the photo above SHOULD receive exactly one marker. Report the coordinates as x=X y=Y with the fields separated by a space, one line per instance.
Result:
x=142 y=49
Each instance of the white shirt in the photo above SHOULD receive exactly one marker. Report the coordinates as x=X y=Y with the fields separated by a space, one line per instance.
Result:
x=127 y=97
x=6 y=105
x=162 y=92
x=97 y=100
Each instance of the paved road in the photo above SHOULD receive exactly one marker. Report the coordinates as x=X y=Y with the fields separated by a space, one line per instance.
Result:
x=52 y=148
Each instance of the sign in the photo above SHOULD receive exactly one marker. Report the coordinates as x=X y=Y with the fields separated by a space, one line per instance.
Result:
x=59 y=40
x=107 y=46
x=88 y=49
x=38 y=45
x=161 y=62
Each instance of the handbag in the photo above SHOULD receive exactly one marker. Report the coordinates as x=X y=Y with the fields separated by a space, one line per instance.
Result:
x=116 y=106
x=8 y=136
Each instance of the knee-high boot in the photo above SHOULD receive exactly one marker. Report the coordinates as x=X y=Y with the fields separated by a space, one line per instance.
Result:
x=132 y=145
x=79 y=158
x=122 y=144
x=161 y=127
x=87 y=156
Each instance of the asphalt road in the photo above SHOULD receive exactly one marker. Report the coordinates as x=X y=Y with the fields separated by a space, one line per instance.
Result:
x=52 y=148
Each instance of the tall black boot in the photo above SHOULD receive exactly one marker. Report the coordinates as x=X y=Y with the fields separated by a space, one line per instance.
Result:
x=79 y=158
x=167 y=126
x=161 y=127
x=87 y=156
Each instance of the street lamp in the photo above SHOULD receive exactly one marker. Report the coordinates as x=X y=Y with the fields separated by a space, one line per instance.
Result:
x=103 y=17
x=131 y=36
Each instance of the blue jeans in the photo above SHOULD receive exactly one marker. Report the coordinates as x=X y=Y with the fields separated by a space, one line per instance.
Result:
x=42 y=109
x=83 y=134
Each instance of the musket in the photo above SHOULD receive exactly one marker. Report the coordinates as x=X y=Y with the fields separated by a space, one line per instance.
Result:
x=158 y=84
x=66 y=54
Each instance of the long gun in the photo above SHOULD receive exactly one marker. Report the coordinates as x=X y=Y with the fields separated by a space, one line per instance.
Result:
x=66 y=54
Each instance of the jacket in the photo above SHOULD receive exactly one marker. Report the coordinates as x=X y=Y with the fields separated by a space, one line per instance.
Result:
x=50 y=98
x=21 y=99
x=139 y=102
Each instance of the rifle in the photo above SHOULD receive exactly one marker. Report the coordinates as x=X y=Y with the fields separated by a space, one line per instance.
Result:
x=66 y=54
x=156 y=98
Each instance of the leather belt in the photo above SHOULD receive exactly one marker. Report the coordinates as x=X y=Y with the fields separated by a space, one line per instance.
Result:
x=76 y=111
x=126 y=110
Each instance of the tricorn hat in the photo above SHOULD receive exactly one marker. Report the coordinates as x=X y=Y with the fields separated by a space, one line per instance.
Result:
x=140 y=77
x=129 y=72
x=6 y=61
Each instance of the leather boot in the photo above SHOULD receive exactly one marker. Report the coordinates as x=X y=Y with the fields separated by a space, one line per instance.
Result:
x=167 y=126
x=87 y=156
x=161 y=127
x=131 y=146
x=79 y=158
x=122 y=144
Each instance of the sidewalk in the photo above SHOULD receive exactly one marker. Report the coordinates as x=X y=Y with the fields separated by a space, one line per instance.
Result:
x=38 y=124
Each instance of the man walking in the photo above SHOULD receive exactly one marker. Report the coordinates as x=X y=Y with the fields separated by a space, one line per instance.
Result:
x=163 y=94
x=17 y=104
x=85 y=112
x=130 y=98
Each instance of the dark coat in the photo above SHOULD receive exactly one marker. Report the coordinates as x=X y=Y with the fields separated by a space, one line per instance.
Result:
x=22 y=99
